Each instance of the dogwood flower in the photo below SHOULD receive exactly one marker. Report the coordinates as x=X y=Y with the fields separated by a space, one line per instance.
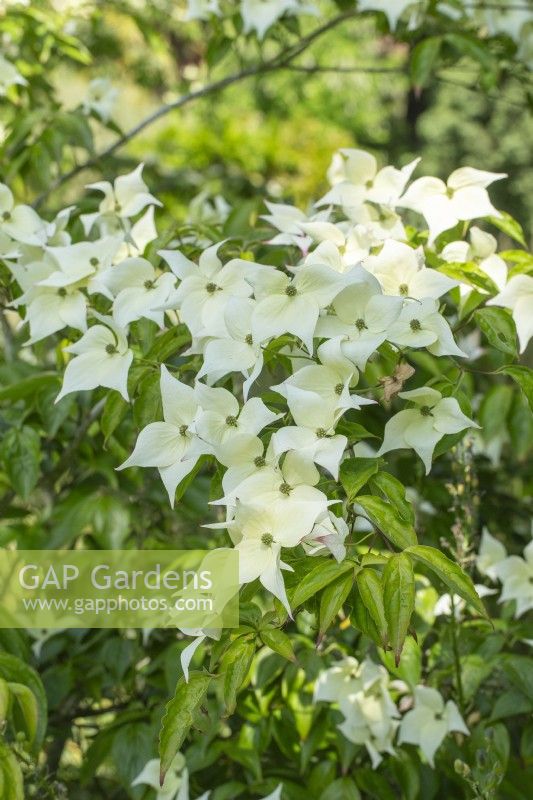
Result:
x=49 y=310
x=463 y=197
x=355 y=180
x=101 y=98
x=202 y=9
x=206 y=288
x=328 y=385
x=362 y=319
x=125 y=198
x=420 y=428
x=490 y=555
x=243 y=455
x=341 y=246
x=286 y=219
x=220 y=418
x=429 y=722
x=176 y=783
x=482 y=250
x=420 y=325
x=518 y=296
x=81 y=261
x=401 y=272
x=361 y=692
x=21 y=222
x=259 y=534
x=292 y=306
x=288 y=488
x=102 y=358
x=237 y=352
x=260 y=15
x=276 y=794
x=393 y=9
x=200 y=635
x=138 y=290
x=9 y=76
x=172 y=445
x=313 y=436
x=516 y=574
x=328 y=535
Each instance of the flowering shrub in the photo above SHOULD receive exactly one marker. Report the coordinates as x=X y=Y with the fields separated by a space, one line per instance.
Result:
x=338 y=391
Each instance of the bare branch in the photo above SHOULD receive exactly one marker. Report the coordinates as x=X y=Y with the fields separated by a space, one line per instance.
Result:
x=279 y=61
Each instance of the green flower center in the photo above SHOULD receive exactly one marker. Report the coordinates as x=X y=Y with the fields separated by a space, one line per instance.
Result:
x=260 y=461
x=426 y=411
x=360 y=324
x=183 y=430
x=149 y=284
x=231 y=421
x=404 y=289
x=285 y=488
x=62 y=292
x=6 y=216
x=339 y=388
x=291 y=291
x=267 y=539
x=211 y=288
x=321 y=433
x=415 y=325
x=111 y=349
x=248 y=339
x=94 y=262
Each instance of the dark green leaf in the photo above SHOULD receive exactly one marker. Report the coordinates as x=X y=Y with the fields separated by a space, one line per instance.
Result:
x=498 y=326
x=179 y=716
x=355 y=473
x=450 y=573
x=385 y=517
x=398 y=599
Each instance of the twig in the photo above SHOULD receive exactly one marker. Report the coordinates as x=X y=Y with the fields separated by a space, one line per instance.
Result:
x=456 y=657
x=277 y=62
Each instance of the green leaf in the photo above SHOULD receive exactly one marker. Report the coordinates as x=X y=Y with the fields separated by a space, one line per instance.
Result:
x=394 y=492
x=355 y=473
x=325 y=572
x=235 y=666
x=21 y=454
x=115 y=409
x=508 y=225
x=518 y=670
x=371 y=591
x=398 y=599
x=472 y=46
x=450 y=573
x=29 y=387
x=332 y=599
x=15 y=671
x=498 y=326
x=4 y=700
x=27 y=703
x=385 y=517
x=11 y=783
x=168 y=343
x=523 y=376
x=361 y=619
x=179 y=716
x=279 y=642
x=410 y=667
x=469 y=272
x=341 y=789
x=423 y=60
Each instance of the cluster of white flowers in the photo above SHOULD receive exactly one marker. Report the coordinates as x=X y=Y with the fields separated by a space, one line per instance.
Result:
x=372 y=718
x=176 y=783
x=515 y=573
x=9 y=76
x=257 y=15
x=357 y=285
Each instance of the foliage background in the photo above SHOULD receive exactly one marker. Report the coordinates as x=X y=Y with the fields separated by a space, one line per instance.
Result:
x=270 y=136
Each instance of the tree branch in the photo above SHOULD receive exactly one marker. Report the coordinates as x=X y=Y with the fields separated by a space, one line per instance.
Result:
x=279 y=61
